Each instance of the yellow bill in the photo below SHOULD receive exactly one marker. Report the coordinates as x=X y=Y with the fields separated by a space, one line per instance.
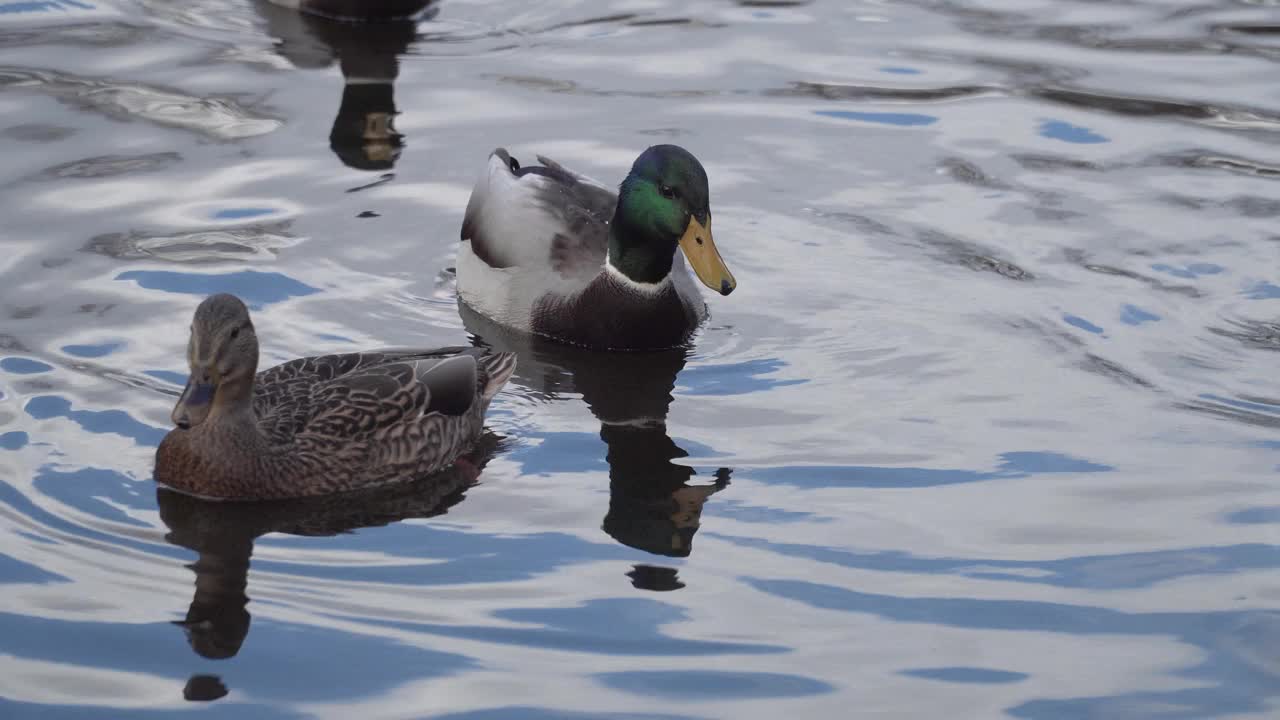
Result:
x=705 y=259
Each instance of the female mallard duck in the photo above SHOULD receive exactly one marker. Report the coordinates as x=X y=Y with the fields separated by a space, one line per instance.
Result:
x=317 y=425
x=548 y=251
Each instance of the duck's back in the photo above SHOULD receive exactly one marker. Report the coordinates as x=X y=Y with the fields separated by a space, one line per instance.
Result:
x=359 y=396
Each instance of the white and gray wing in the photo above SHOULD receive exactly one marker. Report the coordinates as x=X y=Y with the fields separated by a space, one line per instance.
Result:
x=538 y=217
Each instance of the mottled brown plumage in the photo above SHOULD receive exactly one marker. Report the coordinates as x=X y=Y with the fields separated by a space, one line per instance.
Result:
x=318 y=425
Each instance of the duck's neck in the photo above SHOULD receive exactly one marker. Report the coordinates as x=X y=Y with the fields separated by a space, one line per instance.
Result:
x=232 y=413
x=635 y=253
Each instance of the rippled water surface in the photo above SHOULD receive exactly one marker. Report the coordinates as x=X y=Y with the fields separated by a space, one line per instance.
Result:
x=991 y=427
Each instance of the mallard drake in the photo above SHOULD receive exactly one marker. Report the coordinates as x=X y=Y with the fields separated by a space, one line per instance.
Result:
x=554 y=253
x=317 y=425
x=361 y=10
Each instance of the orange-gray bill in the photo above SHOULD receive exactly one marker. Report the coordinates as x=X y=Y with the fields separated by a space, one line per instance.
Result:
x=193 y=406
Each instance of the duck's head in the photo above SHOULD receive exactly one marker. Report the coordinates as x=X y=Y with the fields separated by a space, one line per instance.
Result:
x=664 y=203
x=223 y=356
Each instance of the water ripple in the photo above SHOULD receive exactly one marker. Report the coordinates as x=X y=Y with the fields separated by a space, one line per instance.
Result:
x=991 y=417
x=251 y=243
x=219 y=118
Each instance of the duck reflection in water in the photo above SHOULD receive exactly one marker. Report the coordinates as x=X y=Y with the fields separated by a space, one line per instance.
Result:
x=653 y=505
x=363 y=135
x=223 y=535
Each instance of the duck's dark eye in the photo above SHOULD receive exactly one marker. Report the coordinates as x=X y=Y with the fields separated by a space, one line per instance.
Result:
x=235 y=333
x=667 y=191
x=514 y=163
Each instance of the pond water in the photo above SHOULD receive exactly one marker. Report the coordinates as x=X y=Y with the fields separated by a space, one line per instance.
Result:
x=990 y=428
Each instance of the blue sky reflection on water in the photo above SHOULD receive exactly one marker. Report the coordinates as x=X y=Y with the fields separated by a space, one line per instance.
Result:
x=256 y=288
x=1134 y=315
x=1234 y=681
x=1066 y=132
x=14 y=440
x=117 y=422
x=285 y=661
x=885 y=118
x=91 y=351
x=966 y=675
x=23 y=366
x=1012 y=465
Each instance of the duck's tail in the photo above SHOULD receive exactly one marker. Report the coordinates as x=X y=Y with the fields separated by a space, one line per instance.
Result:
x=498 y=368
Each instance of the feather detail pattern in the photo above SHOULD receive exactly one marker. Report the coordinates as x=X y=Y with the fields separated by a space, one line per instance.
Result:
x=335 y=423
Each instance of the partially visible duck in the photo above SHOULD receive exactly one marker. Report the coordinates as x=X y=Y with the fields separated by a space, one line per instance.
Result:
x=317 y=425
x=360 y=10
x=551 y=252
x=363 y=134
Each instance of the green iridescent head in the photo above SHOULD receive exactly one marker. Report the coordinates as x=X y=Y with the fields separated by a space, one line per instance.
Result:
x=663 y=203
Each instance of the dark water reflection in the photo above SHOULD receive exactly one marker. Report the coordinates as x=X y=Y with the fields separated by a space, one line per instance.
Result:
x=222 y=535
x=653 y=505
x=363 y=135
x=988 y=430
